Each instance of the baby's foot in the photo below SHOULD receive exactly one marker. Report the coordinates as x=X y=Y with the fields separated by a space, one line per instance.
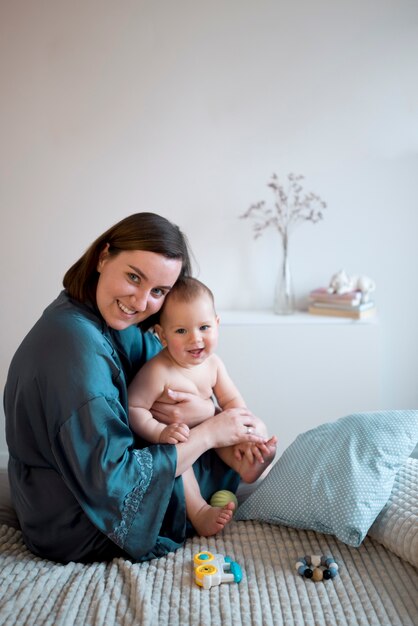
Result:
x=251 y=471
x=210 y=520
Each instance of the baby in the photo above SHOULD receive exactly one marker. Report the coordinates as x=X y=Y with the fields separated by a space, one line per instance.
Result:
x=188 y=330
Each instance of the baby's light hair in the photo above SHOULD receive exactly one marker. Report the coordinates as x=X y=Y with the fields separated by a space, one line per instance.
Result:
x=187 y=289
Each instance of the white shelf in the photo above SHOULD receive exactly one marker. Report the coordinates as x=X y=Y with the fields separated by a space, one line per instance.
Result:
x=266 y=318
x=299 y=371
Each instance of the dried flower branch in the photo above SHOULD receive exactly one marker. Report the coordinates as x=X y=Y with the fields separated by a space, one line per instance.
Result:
x=290 y=208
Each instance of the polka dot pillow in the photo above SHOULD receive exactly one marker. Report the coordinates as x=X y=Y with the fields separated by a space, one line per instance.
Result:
x=336 y=478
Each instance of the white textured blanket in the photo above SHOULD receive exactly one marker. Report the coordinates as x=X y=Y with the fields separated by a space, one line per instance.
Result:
x=375 y=587
x=396 y=527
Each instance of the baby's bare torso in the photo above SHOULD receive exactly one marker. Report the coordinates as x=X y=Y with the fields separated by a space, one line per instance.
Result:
x=199 y=379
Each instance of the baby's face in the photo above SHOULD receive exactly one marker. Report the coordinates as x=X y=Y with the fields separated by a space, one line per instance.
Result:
x=190 y=330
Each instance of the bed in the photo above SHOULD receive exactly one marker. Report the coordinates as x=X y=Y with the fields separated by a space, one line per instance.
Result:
x=377 y=581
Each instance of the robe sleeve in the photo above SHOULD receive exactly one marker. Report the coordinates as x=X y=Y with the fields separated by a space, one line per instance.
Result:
x=129 y=494
x=68 y=424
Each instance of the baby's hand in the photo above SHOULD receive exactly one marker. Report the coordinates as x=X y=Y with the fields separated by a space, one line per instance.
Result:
x=174 y=433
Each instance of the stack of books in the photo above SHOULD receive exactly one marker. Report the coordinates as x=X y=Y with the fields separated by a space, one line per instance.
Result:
x=351 y=304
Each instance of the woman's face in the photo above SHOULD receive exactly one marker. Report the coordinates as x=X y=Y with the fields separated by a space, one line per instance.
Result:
x=132 y=285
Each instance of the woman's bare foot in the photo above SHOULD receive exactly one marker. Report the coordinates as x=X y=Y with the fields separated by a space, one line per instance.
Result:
x=250 y=471
x=209 y=520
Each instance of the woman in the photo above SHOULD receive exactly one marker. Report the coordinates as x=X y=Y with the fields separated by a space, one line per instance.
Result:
x=84 y=489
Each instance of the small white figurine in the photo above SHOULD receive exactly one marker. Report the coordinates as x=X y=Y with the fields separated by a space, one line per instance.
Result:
x=341 y=282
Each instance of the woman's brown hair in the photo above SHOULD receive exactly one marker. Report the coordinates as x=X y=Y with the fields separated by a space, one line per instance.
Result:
x=140 y=231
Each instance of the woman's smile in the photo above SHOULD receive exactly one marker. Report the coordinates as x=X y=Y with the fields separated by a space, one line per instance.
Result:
x=125 y=309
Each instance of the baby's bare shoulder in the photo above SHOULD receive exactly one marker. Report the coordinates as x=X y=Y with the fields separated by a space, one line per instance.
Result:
x=216 y=362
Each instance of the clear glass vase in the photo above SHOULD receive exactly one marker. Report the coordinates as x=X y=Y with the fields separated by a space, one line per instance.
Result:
x=284 y=298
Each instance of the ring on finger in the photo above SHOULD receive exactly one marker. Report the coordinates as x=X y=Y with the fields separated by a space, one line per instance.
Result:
x=249 y=430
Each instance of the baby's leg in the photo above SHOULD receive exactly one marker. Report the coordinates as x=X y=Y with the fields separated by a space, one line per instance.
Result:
x=249 y=471
x=207 y=520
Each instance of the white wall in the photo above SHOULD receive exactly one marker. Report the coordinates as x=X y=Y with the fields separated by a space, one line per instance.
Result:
x=186 y=108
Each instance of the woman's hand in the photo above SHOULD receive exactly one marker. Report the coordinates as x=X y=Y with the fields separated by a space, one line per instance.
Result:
x=186 y=408
x=235 y=426
x=228 y=428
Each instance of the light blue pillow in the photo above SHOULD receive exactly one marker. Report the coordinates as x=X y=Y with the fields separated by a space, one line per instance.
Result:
x=336 y=478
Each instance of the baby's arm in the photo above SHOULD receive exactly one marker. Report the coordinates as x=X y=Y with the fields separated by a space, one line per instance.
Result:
x=229 y=397
x=145 y=389
x=225 y=391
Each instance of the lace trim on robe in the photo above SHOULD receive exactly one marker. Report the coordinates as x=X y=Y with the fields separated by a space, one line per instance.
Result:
x=134 y=498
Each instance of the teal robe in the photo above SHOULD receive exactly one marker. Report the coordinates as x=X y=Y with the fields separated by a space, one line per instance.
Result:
x=83 y=487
